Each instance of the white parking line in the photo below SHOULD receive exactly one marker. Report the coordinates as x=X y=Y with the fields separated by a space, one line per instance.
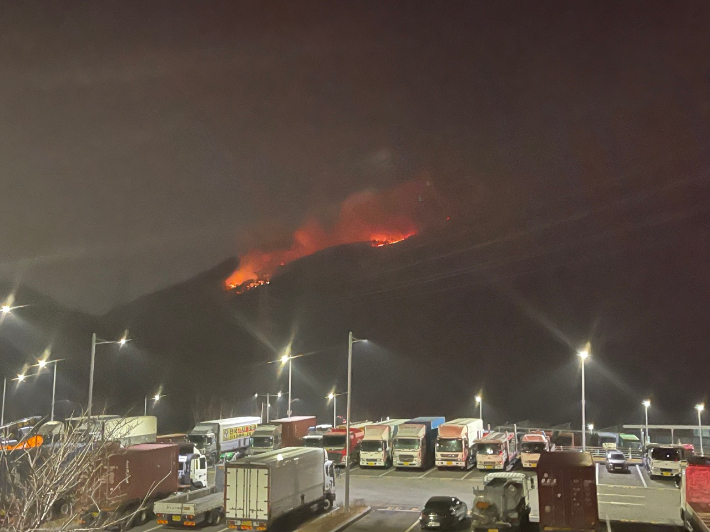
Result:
x=154 y=528
x=415 y=523
x=386 y=472
x=620 y=495
x=641 y=475
x=469 y=473
x=425 y=474
x=596 y=472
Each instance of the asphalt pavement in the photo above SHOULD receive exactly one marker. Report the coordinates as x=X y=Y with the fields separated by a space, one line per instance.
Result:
x=398 y=495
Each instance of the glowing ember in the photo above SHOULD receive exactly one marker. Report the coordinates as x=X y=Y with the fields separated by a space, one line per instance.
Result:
x=381 y=219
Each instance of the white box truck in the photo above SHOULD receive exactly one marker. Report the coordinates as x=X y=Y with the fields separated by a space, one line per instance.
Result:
x=125 y=430
x=260 y=489
x=455 y=443
x=376 y=445
x=218 y=436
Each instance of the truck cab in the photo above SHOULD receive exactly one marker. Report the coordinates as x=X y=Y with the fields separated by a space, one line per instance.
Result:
x=334 y=443
x=192 y=467
x=455 y=443
x=531 y=447
x=496 y=450
x=204 y=439
x=664 y=461
x=264 y=439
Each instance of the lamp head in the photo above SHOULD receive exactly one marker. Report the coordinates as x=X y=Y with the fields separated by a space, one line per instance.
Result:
x=157 y=397
x=478 y=398
x=256 y=395
x=700 y=407
x=122 y=341
x=646 y=403
x=584 y=354
x=331 y=395
x=42 y=363
x=278 y=395
x=5 y=309
x=590 y=426
x=284 y=359
x=21 y=377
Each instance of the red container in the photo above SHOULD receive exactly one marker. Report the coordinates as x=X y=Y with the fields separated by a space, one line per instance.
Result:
x=148 y=470
x=568 y=491
x=294 y=428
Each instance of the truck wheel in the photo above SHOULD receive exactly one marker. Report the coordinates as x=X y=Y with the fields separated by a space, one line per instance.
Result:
x=215 y=517
x=62 y=508
x=327 y=504
x=143 y=516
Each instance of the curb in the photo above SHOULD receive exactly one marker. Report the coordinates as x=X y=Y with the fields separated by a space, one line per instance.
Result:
x=342 y=526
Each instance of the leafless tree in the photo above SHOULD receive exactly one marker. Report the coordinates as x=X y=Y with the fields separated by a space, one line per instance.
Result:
x=53 y=477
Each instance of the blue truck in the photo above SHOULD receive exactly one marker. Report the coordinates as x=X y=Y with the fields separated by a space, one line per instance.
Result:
x=415 y=442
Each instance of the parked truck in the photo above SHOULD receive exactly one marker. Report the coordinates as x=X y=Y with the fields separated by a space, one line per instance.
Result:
x=415 y=442
x=334 y=443
x=124 y=430
x=260 y=489
x=496 y=450
x=376 y=444
x=314 y=438
x=567 y=491
x=218 y=436
x=280 y=433
x=265 y=438
x=505 y=501
x=695 y=494
x=193 y=508
x=192 y=467
x=455 y=443
x=129 y=482
x=532 y=446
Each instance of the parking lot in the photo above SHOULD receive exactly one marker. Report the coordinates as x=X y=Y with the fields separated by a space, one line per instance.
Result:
x=398 y=495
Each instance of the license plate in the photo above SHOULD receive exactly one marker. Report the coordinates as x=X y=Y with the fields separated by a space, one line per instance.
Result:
x=94 y=514
x=246 y=523
x=449 y=463
x=177 y=517
x=434 y=523
x=407 y=463
x=666 y=473
x=489 y=466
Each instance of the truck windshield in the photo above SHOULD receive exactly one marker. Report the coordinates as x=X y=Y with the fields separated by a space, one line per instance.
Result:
x=313 y=442
x=488 y=448
x=404 y=444
x=666 y=454
x=199 y=440
x=449 y=446
x=371 y=446
x=533 y=447
x=262 y=441
x=334 y=441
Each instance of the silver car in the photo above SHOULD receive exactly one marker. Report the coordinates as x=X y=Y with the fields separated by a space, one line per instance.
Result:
x=616 y=461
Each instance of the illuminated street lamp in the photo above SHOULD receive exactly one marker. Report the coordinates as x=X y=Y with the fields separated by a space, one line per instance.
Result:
x=268 y=401
x=41 y=364
x=700 y=409
x=646 y=404
x=584 y=354
x=5 y=309
x=155 y=398
x=334 y=397
x=479 y=400
x=94 y=343
x=288 y=359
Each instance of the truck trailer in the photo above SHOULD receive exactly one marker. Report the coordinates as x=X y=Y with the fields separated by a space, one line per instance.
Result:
x=415 y=442
x=455 y=443
x=260 y=489
x=129 y=482
x=695 y=494
x=376 y=444
x=218 y=436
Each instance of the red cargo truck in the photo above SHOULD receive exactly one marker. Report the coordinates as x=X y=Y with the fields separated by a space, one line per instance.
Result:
x=695 y=494
x=293 y=429
x=334 y=443
x=129 y=482
x=567 y=491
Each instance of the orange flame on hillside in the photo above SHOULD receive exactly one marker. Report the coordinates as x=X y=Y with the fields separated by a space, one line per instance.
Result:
x=380 y=218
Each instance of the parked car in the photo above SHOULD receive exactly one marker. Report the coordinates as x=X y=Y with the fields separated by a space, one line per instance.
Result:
x=443 y=512
x=616 y=461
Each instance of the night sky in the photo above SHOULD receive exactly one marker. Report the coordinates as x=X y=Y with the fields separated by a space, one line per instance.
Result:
x=143 y=143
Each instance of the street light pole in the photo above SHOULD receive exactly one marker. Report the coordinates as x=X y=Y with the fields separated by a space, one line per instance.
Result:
x=479 y=400
x=4 y=390
x=647 y=439
x=54 y=390
x=347 y=422
x=289 y=387
x=700 y=408
x=584 y=355
x=335 y=410
x=91 y=373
